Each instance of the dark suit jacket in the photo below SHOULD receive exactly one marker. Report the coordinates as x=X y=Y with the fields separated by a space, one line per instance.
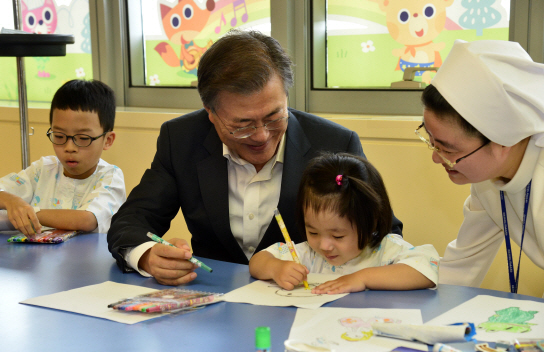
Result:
x=189 y=172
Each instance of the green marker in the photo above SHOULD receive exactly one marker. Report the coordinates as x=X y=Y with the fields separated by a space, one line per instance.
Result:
x=262 y=339
x=192 y=259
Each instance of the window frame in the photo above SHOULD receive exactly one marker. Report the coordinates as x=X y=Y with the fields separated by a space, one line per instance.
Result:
x=112 y=17
x=526 y=19
x=292 y=26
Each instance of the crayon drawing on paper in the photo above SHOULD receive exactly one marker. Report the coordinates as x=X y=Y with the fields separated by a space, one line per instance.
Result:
x=497 y=318
x=268 y=293
x=511 y=319
x=349 y=329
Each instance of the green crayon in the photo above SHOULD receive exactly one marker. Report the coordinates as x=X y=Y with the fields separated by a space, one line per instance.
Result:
x=192 y=259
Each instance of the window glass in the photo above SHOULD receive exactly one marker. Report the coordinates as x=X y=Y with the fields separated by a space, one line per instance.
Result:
x=176 y=34
x=369 y=43
x=44 y=75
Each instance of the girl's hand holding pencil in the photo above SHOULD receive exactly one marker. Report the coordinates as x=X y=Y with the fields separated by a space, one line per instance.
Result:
x=288 y=274
x=289 y=243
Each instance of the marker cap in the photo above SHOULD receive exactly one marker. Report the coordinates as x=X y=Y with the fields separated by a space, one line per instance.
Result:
x=262 y=337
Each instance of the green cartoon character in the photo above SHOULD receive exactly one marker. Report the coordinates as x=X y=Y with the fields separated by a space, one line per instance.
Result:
x=510 y=320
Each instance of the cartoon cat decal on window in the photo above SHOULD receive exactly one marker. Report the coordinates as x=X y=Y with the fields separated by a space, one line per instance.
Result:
x=181 y=24
x=39 y=17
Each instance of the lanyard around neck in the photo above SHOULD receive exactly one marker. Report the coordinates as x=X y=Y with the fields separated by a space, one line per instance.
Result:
x=514 y=281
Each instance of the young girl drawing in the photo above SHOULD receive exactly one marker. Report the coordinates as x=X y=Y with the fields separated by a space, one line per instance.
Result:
x=345 y=215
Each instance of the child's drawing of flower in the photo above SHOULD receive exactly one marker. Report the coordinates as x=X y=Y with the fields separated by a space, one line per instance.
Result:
x=154 y=80
x=80 y=72
x=368 y=46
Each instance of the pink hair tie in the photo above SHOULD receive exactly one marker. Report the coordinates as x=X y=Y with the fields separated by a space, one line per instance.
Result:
x=339 y=180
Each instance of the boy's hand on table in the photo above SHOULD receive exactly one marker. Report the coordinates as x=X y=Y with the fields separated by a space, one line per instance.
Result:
x=169 y=265
x=289 y=274
x=21 y=215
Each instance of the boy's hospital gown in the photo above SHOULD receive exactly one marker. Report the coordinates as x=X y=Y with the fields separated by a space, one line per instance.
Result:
x=44 y=185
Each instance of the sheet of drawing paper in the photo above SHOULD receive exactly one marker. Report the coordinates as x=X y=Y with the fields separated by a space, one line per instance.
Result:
x=93 y=300
x=349 y=329
x=497 y=318
x=268 y=293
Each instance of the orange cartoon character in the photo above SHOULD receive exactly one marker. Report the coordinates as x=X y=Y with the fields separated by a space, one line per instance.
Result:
x=181 y=24
x=415 y=24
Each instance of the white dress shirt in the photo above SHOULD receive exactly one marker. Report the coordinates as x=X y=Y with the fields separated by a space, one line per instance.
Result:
x=253 y=196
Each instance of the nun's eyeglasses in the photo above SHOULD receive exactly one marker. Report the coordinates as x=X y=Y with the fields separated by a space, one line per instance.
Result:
x=437 y=150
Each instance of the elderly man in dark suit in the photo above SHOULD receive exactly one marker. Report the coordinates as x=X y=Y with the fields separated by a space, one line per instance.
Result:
x=227 y=166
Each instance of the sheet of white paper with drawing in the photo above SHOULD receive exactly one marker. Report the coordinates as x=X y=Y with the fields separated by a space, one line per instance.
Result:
x=268 y=293
x=497 y=318
x=93 y=300
x=349 y=329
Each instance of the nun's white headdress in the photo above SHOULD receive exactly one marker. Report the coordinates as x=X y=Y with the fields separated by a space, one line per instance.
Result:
x=496 y=87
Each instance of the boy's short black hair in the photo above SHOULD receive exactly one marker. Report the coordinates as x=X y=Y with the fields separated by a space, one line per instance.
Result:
x=93 y=96
x=360 y=197
x=434 y=101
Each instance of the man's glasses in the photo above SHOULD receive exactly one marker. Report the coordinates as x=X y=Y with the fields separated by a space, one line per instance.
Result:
x=425 y=138
x=81 y=140
x=245 y=132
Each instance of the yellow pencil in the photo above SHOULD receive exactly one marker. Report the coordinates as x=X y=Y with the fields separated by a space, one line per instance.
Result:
x=288 y=241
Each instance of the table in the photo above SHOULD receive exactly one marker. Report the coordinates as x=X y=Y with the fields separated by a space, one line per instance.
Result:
x=31 y=270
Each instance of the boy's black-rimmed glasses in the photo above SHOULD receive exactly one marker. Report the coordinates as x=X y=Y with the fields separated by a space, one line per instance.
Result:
x=81 y=140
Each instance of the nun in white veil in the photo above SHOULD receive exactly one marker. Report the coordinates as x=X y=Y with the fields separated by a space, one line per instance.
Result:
x=484 y=121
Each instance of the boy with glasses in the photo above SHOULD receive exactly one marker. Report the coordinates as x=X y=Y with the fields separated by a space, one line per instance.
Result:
x=76 y=189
